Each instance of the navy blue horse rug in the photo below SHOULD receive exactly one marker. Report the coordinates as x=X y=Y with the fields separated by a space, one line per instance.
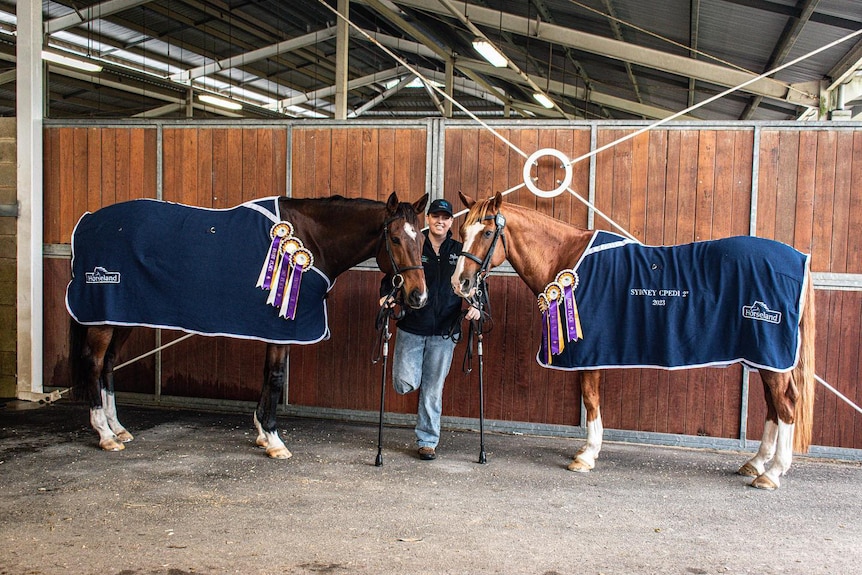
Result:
x=711 y=303
x=165 y=265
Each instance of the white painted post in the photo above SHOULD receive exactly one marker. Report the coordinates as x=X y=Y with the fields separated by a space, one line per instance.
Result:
x=29 y=230
x=342 y=39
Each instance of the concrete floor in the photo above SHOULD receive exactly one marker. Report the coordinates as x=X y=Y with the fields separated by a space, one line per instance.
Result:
x=192 y=494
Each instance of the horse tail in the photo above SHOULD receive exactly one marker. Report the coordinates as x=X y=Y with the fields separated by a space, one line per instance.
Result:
x=803 y=373
x=77 y=381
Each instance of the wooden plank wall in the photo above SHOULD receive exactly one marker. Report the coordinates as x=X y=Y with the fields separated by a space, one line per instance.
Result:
x=84 y=169
x=666 y=186
x=353 y=162
x=810 y=196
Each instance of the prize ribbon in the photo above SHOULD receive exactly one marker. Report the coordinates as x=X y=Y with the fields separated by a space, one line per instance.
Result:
x=554 y=294
x=300 y=261
x=278 y=232
x=282 y=270
x=568 y=279
x=543 y=307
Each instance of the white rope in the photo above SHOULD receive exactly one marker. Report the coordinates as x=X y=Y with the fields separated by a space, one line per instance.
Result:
x=610 y=144
x=427 y=82
x=149 y=353
x=717 y=96
x=840 y=395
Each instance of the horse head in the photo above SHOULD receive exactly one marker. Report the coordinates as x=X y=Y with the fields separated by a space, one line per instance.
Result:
x=400 y=253
x=482 y=229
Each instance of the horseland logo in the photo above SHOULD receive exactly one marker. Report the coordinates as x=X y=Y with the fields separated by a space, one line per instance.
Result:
x=761 y=312
x=102 y=276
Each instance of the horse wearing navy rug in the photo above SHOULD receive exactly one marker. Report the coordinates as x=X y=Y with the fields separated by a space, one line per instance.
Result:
x=610 y=302
x=259 y=271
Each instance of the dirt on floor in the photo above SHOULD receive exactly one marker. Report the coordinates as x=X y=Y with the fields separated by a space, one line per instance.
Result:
x=192 y=494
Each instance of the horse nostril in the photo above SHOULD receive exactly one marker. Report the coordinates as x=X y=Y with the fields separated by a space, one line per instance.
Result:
x=417 y=298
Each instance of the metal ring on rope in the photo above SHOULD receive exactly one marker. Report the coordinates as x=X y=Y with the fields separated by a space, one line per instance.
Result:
x=528 y=169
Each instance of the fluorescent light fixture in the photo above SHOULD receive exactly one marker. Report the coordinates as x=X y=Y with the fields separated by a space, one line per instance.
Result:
x=220 y=102
x=490 y=53
x=70 y=62
x=543 y=100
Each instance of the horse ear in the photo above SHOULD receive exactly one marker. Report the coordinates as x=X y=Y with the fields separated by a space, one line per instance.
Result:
x=419 y=205
x=498 y=200
x=392 y=202
x=466 y=200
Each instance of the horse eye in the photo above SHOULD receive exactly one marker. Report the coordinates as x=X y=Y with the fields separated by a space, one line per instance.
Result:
x=396 y=240
x=488 y=233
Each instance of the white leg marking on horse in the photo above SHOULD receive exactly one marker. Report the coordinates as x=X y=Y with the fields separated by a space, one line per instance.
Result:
x=107 y=439
x=757 y=464
x=110 y=403
x=270 y=440
x=781 y=462
x=585 y=459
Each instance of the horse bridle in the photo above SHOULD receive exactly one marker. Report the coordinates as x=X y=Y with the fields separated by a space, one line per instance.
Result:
x=397 y=277
x=499 y=223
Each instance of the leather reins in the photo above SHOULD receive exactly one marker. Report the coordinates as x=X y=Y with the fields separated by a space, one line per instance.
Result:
x=476 y=330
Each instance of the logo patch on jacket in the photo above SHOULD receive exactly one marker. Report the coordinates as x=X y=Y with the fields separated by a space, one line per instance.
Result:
x=761 y=312
x=102 y=276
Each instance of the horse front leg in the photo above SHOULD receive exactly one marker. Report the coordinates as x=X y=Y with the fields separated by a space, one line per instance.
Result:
x=586 y=457
x=274 y=377
x=775 y=455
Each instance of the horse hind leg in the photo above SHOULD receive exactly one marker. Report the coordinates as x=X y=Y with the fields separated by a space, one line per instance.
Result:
x=775 y=455
x=97 y=343
x=585 y=459
x=110 y=406
x=275 y=375
x=108 y=398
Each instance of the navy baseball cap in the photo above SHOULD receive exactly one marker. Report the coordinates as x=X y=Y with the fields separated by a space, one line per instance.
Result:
x=440 y=206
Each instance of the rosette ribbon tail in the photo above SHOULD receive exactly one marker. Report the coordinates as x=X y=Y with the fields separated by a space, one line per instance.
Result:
x=293 y=292
x=546 y=348
x=264 y=281
x=555 y=328
x=280 y=263
x=573 y=322
x=283 y=277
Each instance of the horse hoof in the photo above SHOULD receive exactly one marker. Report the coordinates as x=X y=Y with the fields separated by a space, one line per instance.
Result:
x=279 y=453
x=579 y=466
x=748 y=470
x=111 y=445
x=125 y=437
x=763 y=482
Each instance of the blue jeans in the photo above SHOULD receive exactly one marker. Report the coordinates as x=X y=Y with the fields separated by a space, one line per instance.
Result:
x=422 y=362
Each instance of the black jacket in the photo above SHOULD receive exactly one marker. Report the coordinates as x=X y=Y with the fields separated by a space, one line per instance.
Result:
x=443 y=307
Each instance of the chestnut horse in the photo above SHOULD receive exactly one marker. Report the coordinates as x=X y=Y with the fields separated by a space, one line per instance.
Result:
x=340 y=233
x=539 y=246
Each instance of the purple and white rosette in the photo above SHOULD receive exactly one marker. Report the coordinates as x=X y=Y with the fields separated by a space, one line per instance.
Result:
x=554 y=294
x=278 y=232
x=301 y=260
x=568 y=280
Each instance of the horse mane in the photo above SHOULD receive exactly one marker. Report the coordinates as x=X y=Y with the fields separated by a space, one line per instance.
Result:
x=565 y=242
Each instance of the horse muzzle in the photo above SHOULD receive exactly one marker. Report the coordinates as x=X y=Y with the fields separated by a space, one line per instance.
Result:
x=416 y=298
x=464 y=286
